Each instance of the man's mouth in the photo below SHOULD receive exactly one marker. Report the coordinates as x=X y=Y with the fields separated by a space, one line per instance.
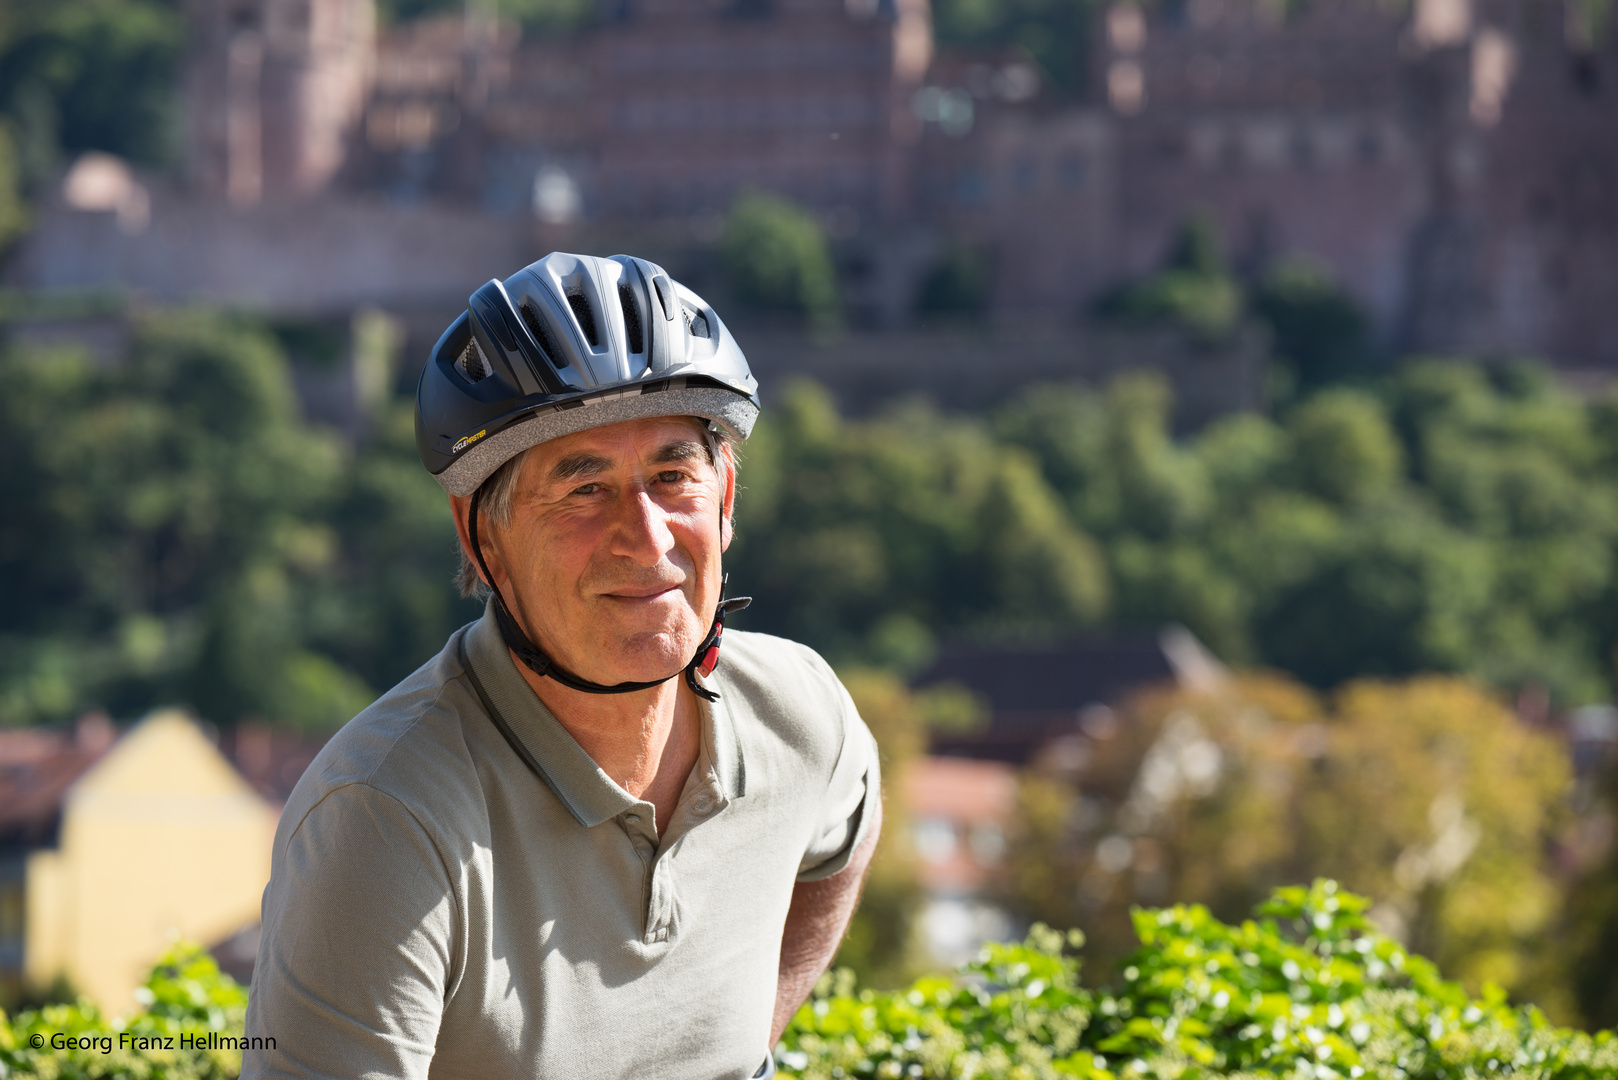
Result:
x=642 y=592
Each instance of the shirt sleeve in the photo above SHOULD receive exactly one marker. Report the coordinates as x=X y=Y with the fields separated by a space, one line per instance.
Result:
x=356 y=950
x=856 y=783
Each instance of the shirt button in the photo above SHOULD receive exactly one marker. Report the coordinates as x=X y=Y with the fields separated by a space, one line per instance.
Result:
x=633 y=819
x=703 y=807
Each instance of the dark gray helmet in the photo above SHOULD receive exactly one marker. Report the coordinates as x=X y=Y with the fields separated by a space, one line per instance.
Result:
x=568 y=343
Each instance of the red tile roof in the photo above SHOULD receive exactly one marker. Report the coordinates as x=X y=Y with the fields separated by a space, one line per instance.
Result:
x=37 y=766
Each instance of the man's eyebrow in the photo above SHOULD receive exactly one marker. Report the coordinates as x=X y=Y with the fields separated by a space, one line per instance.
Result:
x=578 y=467
x=684 y=450
x=582 y=466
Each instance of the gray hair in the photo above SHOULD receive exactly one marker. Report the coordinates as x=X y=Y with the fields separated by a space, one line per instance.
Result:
x=500 y=488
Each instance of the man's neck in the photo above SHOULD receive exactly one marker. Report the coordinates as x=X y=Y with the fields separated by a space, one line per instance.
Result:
x=647 y=741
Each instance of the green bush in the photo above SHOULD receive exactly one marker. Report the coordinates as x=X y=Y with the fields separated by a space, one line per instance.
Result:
x=776 y=258
x=1194 y=291
x=1308 y=990
x=187 y=1000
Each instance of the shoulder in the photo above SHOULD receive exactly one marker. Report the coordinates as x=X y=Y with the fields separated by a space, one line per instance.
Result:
x=788 y=687
x=408 y=746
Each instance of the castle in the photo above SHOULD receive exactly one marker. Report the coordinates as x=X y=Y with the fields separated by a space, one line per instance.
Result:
x=1453 y=164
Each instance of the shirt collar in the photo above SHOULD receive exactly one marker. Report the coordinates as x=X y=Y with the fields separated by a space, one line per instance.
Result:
x=582 y=786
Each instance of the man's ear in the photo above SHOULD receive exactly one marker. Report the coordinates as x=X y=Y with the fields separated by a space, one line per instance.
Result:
x=460 y=506
x=727 y=516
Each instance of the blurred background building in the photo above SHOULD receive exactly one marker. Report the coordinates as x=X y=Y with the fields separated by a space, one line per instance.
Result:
x=116 y=846
x=1451 y=164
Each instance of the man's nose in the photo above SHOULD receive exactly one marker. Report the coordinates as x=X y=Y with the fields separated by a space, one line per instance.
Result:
x=640 y=528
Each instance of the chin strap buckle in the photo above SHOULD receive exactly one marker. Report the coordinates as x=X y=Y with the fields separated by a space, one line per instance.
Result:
x=707 y=657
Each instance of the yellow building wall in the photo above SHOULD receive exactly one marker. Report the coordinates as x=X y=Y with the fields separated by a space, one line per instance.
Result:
x=162 y=839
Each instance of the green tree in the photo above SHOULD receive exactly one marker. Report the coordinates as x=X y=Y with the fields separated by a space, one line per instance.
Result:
x=846 y=530
x=175 y=532
x=80 y=75
x=776 y=259
x=1400 y=591
x=13 y=208
x=1320 y=335
x=388 y=603
x=1454 y=519
x=1194 y=291
x=1344 y=447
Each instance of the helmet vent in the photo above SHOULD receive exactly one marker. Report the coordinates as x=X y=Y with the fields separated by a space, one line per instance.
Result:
x=471 y=364
x=697 y=322
x=631 y=319
x=582 y=312
x=536 y=326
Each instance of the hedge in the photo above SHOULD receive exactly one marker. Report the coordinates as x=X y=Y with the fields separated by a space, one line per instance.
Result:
x=1307 y=990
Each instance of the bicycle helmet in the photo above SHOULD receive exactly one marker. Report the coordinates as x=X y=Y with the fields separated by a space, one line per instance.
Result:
x=568 y=343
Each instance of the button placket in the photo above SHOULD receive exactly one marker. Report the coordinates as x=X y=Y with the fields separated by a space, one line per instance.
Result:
x=663 y=902
x=710 y=799
x=660 y=911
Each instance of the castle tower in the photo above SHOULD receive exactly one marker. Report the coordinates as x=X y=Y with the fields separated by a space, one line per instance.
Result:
x=275 y=88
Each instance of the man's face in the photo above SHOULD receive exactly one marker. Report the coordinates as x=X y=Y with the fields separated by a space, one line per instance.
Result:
x=612 y=560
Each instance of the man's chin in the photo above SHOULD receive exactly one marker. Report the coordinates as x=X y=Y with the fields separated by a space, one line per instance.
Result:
x=650 y=659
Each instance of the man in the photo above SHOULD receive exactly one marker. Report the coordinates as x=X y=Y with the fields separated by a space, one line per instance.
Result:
x=574 y=843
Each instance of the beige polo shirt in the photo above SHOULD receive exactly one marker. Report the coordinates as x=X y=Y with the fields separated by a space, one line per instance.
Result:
x=438 y=909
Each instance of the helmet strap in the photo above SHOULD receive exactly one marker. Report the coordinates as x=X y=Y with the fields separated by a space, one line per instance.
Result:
x=535 y=659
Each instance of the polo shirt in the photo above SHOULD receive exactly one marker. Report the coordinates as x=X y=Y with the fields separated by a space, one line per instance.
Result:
x=438 y=907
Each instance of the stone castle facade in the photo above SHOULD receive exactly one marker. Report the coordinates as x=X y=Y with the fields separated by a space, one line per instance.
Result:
x=1453 y=164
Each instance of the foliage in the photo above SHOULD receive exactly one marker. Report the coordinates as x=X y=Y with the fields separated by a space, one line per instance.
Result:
x=865 y=539
x=1453 y=520
x=80 y=75
x=957 y=283
x=1429 y=794
x=776 y=259
x=1448 y=518
x=185 y=997
x=1320 y=335
x=176 y=532
x=1309 y=989
x=1591 y=904
x=536 y=16
x=1194 y=291
x=13 y=208
x=1056 y=33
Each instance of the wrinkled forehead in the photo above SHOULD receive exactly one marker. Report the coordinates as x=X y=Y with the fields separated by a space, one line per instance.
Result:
x=628 y=444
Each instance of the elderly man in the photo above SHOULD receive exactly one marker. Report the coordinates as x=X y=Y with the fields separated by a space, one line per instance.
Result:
x=574 y=844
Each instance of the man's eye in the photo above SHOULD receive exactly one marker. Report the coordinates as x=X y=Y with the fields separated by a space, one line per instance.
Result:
x=670 y=476
x=586 y=489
